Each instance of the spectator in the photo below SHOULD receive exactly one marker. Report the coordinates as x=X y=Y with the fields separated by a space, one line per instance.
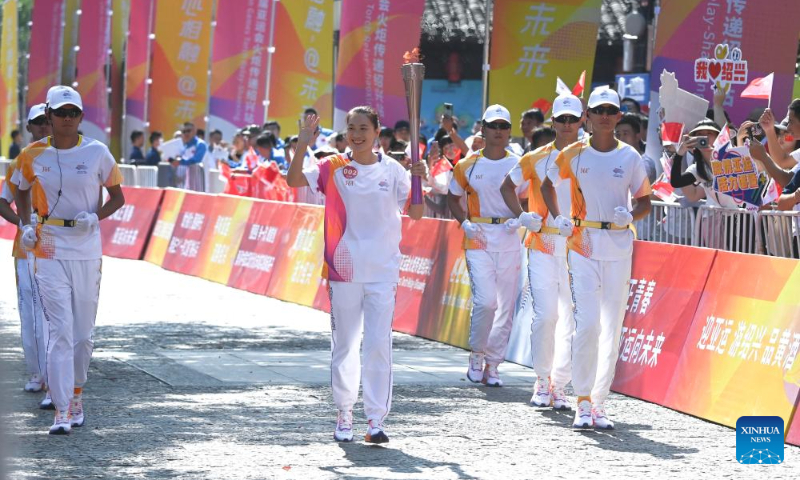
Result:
x=530 y=120
x=15 y=147
x=188 y=170
x=154 y=156
x=542 y=136
x=267 y=149
x=402 y=131
x=137 y=142
x=324 y=133
x=385 y=138
x=238 y=149
x=340 y=142
x=474 y=143
x=629 y=105
x=767 y=121
x=629 y=130
x=215 y=138
x=698 y=180
x=201 y=134
x=275 y=128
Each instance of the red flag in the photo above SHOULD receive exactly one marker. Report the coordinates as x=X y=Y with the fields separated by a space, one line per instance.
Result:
x=251 y=159
x=441 y=166
x=270 y=184
x=542 y=104
x=577 y=90
x=759 y=88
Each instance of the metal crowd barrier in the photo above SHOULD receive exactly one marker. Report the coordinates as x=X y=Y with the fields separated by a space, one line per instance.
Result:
x=667 y=223
x=128 y=174
x=780 y=231
x=213 y=183
x=731 y=229
x=147 y=176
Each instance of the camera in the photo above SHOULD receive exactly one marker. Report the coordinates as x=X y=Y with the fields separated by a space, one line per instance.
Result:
x=448 y=110
x=399 y=156
x=754 y=131
x=702 y=142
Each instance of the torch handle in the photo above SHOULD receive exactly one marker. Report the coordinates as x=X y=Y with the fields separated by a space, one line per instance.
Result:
x=416 y=190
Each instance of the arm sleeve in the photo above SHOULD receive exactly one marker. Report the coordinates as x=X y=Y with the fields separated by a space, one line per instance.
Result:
x=199 y=153
x=109 y=171
x=458 y=182
x=403 y=187
x=516 y=174
x=312 y=174
x=23 y=176
x=640 y=182
x=559 y=170
x=677 y=178
x=793 y=185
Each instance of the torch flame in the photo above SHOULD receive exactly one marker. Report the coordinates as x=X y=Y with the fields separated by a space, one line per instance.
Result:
x=412 y=57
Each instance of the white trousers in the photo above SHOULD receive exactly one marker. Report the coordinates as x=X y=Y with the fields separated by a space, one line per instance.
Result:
x=367 y=307
x=69 y=291
x=34 y=335
x=599 y=293
x=553 y=326
x=494 y=277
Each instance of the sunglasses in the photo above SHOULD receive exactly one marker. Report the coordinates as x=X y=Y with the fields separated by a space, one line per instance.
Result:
x=603 y=110
x=38 y=121
x=186 y=131
x=566 y=119
x=66 y=112
x=498 y=126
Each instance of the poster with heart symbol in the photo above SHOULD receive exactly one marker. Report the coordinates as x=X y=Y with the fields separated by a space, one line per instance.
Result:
x=725 y=69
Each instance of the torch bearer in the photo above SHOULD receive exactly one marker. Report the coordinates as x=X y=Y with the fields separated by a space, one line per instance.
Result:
x=413 y=73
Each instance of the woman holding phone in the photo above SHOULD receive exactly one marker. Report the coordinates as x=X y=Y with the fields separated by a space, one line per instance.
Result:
x=365 y=192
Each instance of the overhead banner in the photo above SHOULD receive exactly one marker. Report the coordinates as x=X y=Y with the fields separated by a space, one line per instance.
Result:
x=692 y=29
x=740 y=356
x=533 y=43
x=44 y=66
x=181 y=53
x=238 y=72
x=665 y=288
x=69 y=52
x=120 y=22
x=302 y=65
x=137 y=69
x=125 y=233
x=91 y=82
x=9 y=68
x=374 y=35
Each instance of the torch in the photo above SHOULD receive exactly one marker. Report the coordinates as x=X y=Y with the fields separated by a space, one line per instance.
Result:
x=413 y=73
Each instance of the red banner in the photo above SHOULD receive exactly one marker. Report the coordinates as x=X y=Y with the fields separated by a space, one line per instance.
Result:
x=266 y=237
x=137 y=67
x=227 y=220
x=666 y=284
x=126 y=232
x=184 y=246
x=44 y=65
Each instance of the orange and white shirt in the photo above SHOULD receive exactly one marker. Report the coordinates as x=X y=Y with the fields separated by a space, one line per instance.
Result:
x=532 y=168
x=7 y=194
x=600 y=182
x=64 y=183
x=480 y=179
x=362 y=216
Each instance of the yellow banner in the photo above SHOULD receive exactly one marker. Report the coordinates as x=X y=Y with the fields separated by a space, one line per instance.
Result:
x=9 y=110
x=165 y=224
x=68 y=53
x=119 y=31
x=535 y=42
x=181 y=59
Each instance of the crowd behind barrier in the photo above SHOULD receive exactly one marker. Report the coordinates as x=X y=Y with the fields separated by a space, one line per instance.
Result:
x=701 y=327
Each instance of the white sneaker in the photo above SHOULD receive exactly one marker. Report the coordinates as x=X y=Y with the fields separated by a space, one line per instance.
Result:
x=61 y=424
x=76 y=411
x=344 y=426
x=600 y=419
x=560 y=400
x=475 y=370
x=47 y=402
x=583 y=415
x=541 y=393
x=375 y=433
x=491 y=377
x=35 y=384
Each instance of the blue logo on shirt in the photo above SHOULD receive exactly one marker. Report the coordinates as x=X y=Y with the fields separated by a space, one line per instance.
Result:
x=759 y=440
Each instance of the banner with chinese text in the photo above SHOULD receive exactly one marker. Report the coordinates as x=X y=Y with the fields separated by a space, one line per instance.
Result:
x=94 y=39
x=227 y=220
x=126 y=232
x=9 y=69
x=165 y=224
x=44 y=68
x=69 y=52
x=239 y=65
x=181 y=53
x=691 y=29
x=374 y=35
x=740 y=355
x=194 y=220
x=303 y=30
x=535 y=42
x=137 y=69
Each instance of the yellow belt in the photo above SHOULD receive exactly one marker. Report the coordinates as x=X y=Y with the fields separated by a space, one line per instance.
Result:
x=550 y=230
x=490 y=220
x=599 y=225
x=57 y=222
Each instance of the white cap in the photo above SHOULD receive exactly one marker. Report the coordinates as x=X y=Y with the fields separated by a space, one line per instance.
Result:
x=36 y=111
x=567 y=104
x=496 y=112
x=61 y=95
x=603 y=95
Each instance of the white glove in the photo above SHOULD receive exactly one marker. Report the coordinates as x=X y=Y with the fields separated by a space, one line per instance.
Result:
x=564 y=226
x=86 y=222
x=622 y=217
x=531 y=221
x=512 y=225
x=470 y=229
x=29 y=236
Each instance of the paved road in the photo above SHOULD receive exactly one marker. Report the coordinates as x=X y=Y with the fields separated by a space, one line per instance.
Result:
x=196 y=380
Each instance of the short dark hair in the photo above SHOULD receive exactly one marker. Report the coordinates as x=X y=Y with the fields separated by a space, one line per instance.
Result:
x=629 y=99
x=386 y=132
x=310 y=111
x=272 y=123
x=370 y=112
x=266 y=140
x=201 y=133
x=397 y=146
x=794 y=107
x=188 y=125
x=155 y=136
x=14 y=133
x=216 y=131
x=534 y=114
x=339 y=137
x=631 y=119
x=136 y=135
x=542 y=135
x=444 y=141
x=401 y=124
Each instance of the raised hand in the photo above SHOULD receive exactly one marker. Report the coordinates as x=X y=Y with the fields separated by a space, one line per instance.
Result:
x=308 y=129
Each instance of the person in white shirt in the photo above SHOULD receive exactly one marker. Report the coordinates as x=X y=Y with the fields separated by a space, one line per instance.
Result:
x=365 y=193
x=604 y=174
x=62 y=177
x=492 y=244
x=553 y=326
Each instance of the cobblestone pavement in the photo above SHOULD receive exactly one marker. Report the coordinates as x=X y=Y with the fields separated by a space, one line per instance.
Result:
x=151 y=416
